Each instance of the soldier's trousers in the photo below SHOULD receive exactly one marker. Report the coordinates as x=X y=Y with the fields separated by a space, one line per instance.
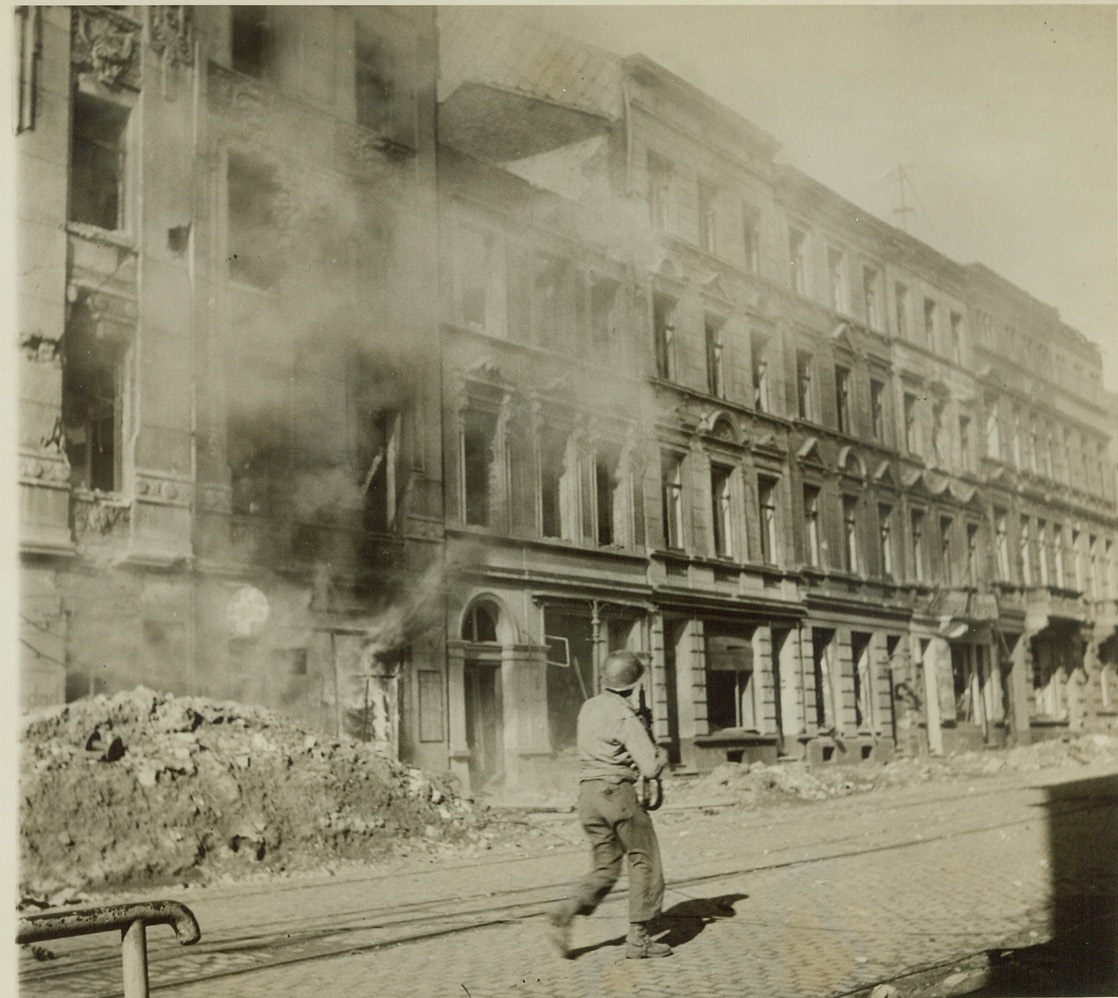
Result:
x=618 y=826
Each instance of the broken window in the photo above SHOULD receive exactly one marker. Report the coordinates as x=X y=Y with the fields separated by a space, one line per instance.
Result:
x=805 y=396
x=98 y=144
x=93 y=395
x=824 y=669
x=558 y=486
x=481 y=280
x=716 y=367
x=708 y=217
x=251 y=40
x=797 y=259
x=761 y=374
x=930 y=323
x=877 y=409
x=730 y=679
x=885 y=526
x=919 y=565
x=1026 y=556
x=1001 y=544
x=663 y=329
x=722 y=510
x=379 y=458
x=901 y=293
x=842 y=398
x=851 y=557
x=751 y=231
x=811 y=525
x=254 y=254
x=870 y=291
x=479 y=439
x=972 y=554
x=659 y=190
x=836 y=271
x=946 y=525
x=863 y=677
x=766 y=501
x=671 y=484
x=911 y=425
x=611 y=508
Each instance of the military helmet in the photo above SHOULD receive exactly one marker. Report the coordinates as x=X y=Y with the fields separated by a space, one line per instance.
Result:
x=622 y=671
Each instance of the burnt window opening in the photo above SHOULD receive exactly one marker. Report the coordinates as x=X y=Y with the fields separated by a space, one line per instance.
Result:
x=885 y=526
x=851 y=557
x=671 y=485
x=481 y=277
x=761 y=400
x=479 y=438
x=805 y=396
x=98 y=147
x=731 y=687
x=863 y=680
x=823 y=661
x=842 y=398
x=255 y=254
x=609 y=498
x=766 y=501
x=721 y=496
x=812 y=547
x=603 y=311
x=374 y=80
x=877 y=409
x=716 y=363
x=558 y=487
x=93 y=388
x=251 y=40
x=663 y=331
x=379 y=458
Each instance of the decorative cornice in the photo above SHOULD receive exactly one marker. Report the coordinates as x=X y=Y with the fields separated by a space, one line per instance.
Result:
x=171 y=32
x=107 y=44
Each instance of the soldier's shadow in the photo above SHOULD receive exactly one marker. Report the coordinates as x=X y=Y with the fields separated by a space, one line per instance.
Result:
x=683 y=922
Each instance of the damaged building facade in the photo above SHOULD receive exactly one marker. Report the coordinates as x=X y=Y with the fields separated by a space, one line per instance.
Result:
x=401 y=431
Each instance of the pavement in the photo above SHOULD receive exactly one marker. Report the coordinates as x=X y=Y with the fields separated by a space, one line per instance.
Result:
x=989 y=886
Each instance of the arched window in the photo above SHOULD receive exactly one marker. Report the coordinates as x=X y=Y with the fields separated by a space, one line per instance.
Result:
x=480 y=624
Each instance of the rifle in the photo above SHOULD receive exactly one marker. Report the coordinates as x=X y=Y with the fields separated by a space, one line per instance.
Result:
x=651 y=789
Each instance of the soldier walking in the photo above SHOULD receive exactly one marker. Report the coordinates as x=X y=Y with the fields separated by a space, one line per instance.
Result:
x=615 y=751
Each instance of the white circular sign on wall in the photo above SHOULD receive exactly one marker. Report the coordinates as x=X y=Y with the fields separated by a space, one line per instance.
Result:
x=247 y=612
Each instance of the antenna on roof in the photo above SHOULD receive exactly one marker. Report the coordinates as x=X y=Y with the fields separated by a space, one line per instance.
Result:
x=900 y=176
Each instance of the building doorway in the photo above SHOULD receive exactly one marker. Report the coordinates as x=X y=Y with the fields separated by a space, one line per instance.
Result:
x=483 y=719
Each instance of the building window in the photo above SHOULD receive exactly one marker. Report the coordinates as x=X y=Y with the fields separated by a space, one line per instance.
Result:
x=479 y=458
x=842 y=398
x=1001 y=544
x=761 y=399
x=972 y=555
x=659 y=191
x=805 y=398
x=811 y=525
x=965 y=443
x=98 y=143
x=877 y=409
x=870 y=291
x=722 y=510
x=609 y=505
x=1058 y=554
x=663 y=329
x=378 y=435
x=708 y=217
x=555 y=303
x=911 y=424
x=558 y=486
x=716 y=367
x=730 y=679
x=94 y=386
x=946 y=525
x=956 y=337
x=254 y=253
x=797 y=260
x=1076 y=562
x=1042 y=551
x=751 y=231
x=836 y=272
x=251 y=40
x=766 y=502
x=929 y=323
x=993 y=433
x=919 y=563
x=671 y=486
x=853 y=562
x=901 y=292
x=481 y=280
x=603 y=310
x=1015 y=438
x=1046 y=451
x=885 y=525
x=1034 y=446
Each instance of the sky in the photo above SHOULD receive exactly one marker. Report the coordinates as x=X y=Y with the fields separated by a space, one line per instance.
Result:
x=1004 y=118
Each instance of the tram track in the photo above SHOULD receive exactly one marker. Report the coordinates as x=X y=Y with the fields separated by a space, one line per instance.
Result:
x=358 y=929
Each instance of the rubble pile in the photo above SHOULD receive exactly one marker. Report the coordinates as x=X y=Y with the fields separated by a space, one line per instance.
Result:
x=146 y=788
x=757 y=783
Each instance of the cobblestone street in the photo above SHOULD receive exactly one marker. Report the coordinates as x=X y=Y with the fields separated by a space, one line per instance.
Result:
x=912 y=885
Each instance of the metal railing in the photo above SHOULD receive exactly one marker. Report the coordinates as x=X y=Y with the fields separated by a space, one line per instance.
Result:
x=131 y=919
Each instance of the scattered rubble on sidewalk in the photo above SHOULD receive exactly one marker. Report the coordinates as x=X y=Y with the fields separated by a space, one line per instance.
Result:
x=146 y=788
x=756 y=783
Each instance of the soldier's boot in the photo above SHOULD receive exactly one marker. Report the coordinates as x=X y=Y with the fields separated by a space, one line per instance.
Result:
x=559 y=920
x=639 y=944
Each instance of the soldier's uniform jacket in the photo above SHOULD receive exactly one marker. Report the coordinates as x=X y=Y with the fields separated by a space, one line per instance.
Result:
x=613 y=745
